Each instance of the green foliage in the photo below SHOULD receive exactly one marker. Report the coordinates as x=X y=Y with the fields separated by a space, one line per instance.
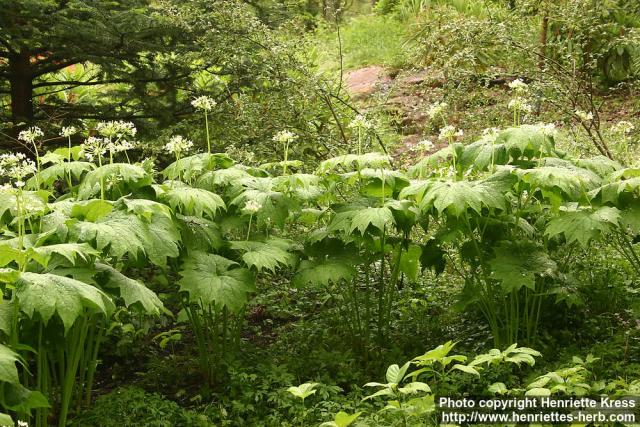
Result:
x=267 y=255
x=119 y=178
x=366 y=40
x=131 y=291
x=356 y=232
x=132 y=406
x=49 y=294
x=188 y=200
x=214 y=280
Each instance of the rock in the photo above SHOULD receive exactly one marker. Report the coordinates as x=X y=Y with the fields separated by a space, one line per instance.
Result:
x=415 y=78
x=366 y=81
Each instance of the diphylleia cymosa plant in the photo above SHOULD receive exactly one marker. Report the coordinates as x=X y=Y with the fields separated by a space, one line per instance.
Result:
x=117 y=136
x=286 y=138
x=68 y=132
x=205 y=104
x=519 y=104
x=362 y=126
x=252 y=207
x=16 y=167
x=621 y=132
x=449 y=133
x=31 y=136
x=437 y=111
x=178 y=145
x=424 y=146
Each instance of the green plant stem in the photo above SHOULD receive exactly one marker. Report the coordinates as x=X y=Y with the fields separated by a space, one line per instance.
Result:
x=74 y=348
x=101 y=179
x=383 y=180
x=206 y=125
x=69 y=175
x=203 y=352
x=381 y=288
x=93 y=361
x=286 y=157
x=35 y=148
x=249 y=227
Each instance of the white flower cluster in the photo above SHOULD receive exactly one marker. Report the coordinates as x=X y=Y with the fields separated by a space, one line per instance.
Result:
x=548 y=129
x=31 y=134
x=493 y=131
x=67 y=131
x=519 y=87
x=584 y=116
x=178 y=145
x=116 y=129
x=204 y=103
x=120 y=146
x=360 y=122
x=623 y=127
x=252 y=206
x=16 y=166
x=520 y=104
x=240 y=155
x=437 y=109
x=449 y=132
x=425 y=145
x=285 y=137
x=94 y=147
x=491 y=134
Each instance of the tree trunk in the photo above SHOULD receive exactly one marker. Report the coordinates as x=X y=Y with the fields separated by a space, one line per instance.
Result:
x=21 y=80
x=544 y=28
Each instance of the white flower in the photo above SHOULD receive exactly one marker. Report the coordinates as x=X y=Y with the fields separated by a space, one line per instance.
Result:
x=584 y=116
x=519 y=87
x=436 y=109
x=285 y=137
x=67 y=131
x=30 y=134
x=23 y=424
x=520 y=104
x=116 y=129
x=548 y=129
x=360 y=122
x=16 y=166
x=5 y=187
x=178 y=144
x=490 y=131
x=120 y=145
x=252 y=207
x=425 y=145
x=449 y=132
x=94 y=147
x=204 y=103
x=19 y=184
x=623 y=127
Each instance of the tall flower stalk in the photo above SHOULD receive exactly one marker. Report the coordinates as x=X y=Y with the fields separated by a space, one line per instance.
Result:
x=285 y=138
x=362 y=126
x=93 y=149
x=437 y=110
x=449 y=133
x=251 y=207
x=205 y=104
x=30 y=136
x=519 y=103
x=492 y=134
x=117 y=134
x=67 y=132
x=178 y=145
